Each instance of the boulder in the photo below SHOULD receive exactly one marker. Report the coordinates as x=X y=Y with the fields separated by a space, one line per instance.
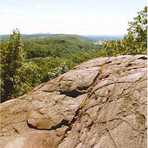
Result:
x=100 y=103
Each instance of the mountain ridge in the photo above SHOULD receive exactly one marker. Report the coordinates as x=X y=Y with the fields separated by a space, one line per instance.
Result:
x=87 y=37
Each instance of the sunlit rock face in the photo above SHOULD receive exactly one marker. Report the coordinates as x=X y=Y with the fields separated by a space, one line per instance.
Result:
x=99 y=104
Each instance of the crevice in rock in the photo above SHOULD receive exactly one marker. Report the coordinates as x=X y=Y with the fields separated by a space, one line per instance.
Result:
x=16 y=130
x=128 y=65
x=107 y=62
x=73 y=93
x=143 y=58
x=59 y=125
x=78 y=112
x=70 y=124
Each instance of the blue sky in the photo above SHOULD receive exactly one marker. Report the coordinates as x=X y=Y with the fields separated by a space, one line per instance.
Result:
x=86 y=17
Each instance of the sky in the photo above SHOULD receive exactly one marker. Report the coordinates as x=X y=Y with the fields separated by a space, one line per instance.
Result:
x=83 y=17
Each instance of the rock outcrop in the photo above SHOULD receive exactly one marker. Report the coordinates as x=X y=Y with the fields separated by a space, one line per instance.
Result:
x=99 y=104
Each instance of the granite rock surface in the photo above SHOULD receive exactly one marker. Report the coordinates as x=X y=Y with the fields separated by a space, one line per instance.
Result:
x=98 y=104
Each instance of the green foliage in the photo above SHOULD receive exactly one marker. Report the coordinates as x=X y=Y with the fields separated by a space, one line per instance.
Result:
x=49 y=67
x=57 y=71
x=135 y=42
x=56 y=46
x=11 y=59
x=27 y=76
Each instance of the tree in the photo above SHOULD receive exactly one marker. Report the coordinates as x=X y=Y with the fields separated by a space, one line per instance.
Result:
x=11 y=59
x=135 y=42
x=137 y=32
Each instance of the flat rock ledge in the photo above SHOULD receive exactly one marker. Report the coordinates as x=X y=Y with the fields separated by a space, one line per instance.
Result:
x=99 y=104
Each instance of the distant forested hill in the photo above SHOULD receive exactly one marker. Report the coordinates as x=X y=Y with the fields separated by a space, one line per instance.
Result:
x=55 y=54
x=56 y=45
x=88 y=37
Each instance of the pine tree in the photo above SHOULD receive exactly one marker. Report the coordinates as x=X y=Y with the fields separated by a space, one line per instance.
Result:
x=11 y=59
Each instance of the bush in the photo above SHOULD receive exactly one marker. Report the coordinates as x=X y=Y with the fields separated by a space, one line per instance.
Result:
x=27 y=76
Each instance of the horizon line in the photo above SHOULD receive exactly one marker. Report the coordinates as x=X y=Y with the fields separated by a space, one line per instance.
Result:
x=1 y=34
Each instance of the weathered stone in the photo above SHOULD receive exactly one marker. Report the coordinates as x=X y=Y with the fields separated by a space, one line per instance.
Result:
x=99 y=104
